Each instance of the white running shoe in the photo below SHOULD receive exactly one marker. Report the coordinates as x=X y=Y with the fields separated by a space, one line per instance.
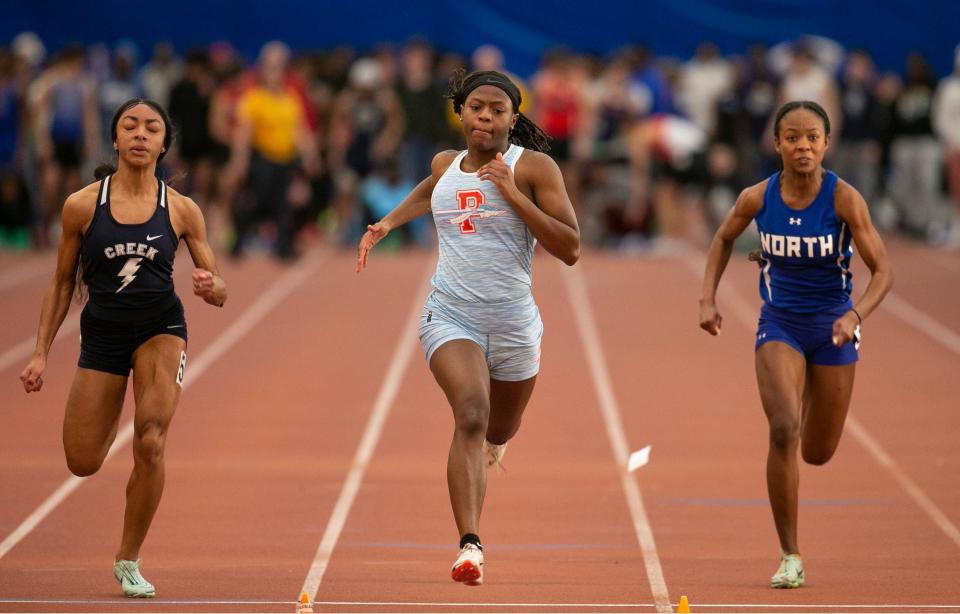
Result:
x=493 y=453
x=469 y=566
x=133 y=584
x=790 y=572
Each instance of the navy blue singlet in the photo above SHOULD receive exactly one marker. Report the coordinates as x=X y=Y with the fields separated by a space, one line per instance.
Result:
x=128 y=268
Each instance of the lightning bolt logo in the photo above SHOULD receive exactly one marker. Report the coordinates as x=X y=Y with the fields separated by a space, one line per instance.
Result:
x=128 y=272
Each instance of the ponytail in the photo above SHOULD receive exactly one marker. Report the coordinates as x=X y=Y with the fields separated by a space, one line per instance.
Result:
x=104 y=169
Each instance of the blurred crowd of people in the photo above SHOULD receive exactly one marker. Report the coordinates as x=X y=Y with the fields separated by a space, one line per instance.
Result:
x=288 y=148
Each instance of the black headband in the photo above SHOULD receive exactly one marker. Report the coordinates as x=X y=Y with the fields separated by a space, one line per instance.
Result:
x=489 y=78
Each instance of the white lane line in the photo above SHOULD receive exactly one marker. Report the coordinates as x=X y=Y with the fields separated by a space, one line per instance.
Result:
x=240 y=327
x=610 y=409
x=922 y=322
x=22 y=351
x=443 y=604
x=916 y=493
x=368 y=443
x=911 y=316
x=777 y=610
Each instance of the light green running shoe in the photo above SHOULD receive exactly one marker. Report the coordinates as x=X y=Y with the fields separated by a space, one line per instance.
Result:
x=133 y=584
x=790 y=572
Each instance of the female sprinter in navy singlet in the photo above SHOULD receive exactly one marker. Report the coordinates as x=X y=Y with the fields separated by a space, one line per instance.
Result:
x=122 y=233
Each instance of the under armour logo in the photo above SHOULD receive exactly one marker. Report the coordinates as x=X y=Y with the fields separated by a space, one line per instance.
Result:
x=795 y=221
x=762 y=336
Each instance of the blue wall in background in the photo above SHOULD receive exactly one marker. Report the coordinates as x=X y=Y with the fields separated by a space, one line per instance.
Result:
x=888 y=28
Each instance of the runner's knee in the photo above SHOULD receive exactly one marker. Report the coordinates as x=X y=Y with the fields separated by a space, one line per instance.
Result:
x=784 y=431
x=148 y=444
x=471 y=414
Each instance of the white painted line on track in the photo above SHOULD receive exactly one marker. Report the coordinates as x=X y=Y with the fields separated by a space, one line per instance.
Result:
x=269 y=299
x=610 y=409
x=919 y=320
x=900 y=476
x=499 y=608
x=368 y=442
x=780 y=608
x=640 y=608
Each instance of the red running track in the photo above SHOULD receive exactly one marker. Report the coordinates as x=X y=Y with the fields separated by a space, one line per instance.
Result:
x=280 y=475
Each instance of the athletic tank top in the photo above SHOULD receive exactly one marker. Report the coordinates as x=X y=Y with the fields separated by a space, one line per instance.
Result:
x=807 y=252
x=128 y=268
x=486 y=249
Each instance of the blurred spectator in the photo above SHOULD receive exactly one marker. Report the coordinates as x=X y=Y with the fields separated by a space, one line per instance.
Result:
x=668 y=152
x=222 y=122
x=11 y=112
x=559 y=88
x=386 y=57
x=161 y=73
x=703 y=81
x=757 y=91
x=648 y=74
x=379 y=194
x=119 y=86
x=15 y=209
x=489 y=57
x=856 y=155
x=189 y=110
x=67 y=133
x=885 y=103
x=612 y=105
x=315 y=197
x=916 y=155
x=367 y=122
x=807 y=80
x=946 y=122
x=366 y=127
x=28 y=47
x=424 y=106
x=271 y=139
x=825 y=52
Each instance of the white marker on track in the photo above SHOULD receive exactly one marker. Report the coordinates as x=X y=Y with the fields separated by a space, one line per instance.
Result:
x=638 y=459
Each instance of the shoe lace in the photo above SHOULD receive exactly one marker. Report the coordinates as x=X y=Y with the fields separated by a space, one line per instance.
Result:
x=132 y=573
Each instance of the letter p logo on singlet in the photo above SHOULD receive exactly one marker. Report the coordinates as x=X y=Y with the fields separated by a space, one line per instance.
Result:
x=466 y=200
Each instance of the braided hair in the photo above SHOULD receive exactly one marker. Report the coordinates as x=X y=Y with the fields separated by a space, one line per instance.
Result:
x=525 y=132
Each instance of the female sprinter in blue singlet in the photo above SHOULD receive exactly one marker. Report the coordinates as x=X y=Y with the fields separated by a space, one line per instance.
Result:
x=808 y=336
x=480 y=328
x=122 y=232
